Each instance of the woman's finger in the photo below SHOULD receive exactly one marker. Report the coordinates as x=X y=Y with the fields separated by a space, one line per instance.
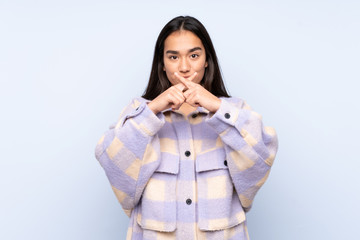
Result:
x=192 y=101
x=180 y=86
x=178 y=101
x=179 y=91
x=176 y=93
x=191 y=78
x=183 y=80
x=191 y=98
x=188 y=92
x=179 y=95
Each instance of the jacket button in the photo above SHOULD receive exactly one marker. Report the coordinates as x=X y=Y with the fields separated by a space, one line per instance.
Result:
x=187 y=153
x=225 y=163
x=188 y=201
x=227 y=115
x=194 y=115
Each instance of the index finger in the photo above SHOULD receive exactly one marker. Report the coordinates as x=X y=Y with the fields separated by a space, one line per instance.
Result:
x=186 y=82
x=192 y=76
x=180 y=86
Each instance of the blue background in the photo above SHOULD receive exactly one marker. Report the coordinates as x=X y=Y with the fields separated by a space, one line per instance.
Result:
x=67 y=68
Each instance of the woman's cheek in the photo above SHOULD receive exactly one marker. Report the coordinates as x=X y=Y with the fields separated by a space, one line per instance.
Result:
x=201 y=72
x=171 y=77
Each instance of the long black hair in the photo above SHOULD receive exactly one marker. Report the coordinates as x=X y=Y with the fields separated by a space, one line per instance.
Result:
x=212 y=80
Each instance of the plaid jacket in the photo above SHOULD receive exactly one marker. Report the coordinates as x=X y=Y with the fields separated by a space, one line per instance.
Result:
x=187 y=177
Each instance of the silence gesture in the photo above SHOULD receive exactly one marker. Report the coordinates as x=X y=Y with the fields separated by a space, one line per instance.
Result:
x=197 y=95
x=185 y=91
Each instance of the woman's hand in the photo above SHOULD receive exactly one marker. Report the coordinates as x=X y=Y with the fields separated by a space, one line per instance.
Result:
x=197 y=95
x=172 y=97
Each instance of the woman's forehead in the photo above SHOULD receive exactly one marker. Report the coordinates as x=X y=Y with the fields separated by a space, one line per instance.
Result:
x=182 y=41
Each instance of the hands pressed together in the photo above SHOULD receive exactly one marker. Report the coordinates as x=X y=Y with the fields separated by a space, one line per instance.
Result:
x=185 y=91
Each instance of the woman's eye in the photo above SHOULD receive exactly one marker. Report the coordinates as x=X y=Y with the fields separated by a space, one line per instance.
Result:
x=173 y=57
x=194 y=55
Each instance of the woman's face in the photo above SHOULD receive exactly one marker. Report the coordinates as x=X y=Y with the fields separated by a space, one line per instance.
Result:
x=185 y=54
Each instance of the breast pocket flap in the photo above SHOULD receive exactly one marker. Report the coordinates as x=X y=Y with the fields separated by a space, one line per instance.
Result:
x=169 y=163
x=211 y=160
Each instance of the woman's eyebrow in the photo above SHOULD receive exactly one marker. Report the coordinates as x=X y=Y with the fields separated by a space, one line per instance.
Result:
x=172 y=52
x=195 y=49
x=177 y=52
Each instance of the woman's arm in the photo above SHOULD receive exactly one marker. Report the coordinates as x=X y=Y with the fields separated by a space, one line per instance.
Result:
x=129 y=152
x=250 y=147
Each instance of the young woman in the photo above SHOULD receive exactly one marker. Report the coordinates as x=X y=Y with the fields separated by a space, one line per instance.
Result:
x=185 y=160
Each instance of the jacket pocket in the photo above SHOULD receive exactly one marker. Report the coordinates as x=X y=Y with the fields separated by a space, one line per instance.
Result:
x=219 y=206
x=157 y=206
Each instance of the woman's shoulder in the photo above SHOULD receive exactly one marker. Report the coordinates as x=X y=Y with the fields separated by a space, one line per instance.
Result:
x=135 y=102
x=139 y=99
x=131 y=108
x=237 y=101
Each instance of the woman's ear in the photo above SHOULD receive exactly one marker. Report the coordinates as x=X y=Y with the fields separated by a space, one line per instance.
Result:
x=164 y=69
x=206 y=64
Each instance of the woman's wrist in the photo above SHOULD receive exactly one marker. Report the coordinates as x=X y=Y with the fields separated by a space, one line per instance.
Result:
x=152 y=107
x=216 y=105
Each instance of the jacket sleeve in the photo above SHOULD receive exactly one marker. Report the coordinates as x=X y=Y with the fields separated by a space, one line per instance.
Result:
x=250 y=147
x=129 y=152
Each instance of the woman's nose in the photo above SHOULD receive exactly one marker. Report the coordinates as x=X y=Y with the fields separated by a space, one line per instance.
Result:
x=184 y=66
